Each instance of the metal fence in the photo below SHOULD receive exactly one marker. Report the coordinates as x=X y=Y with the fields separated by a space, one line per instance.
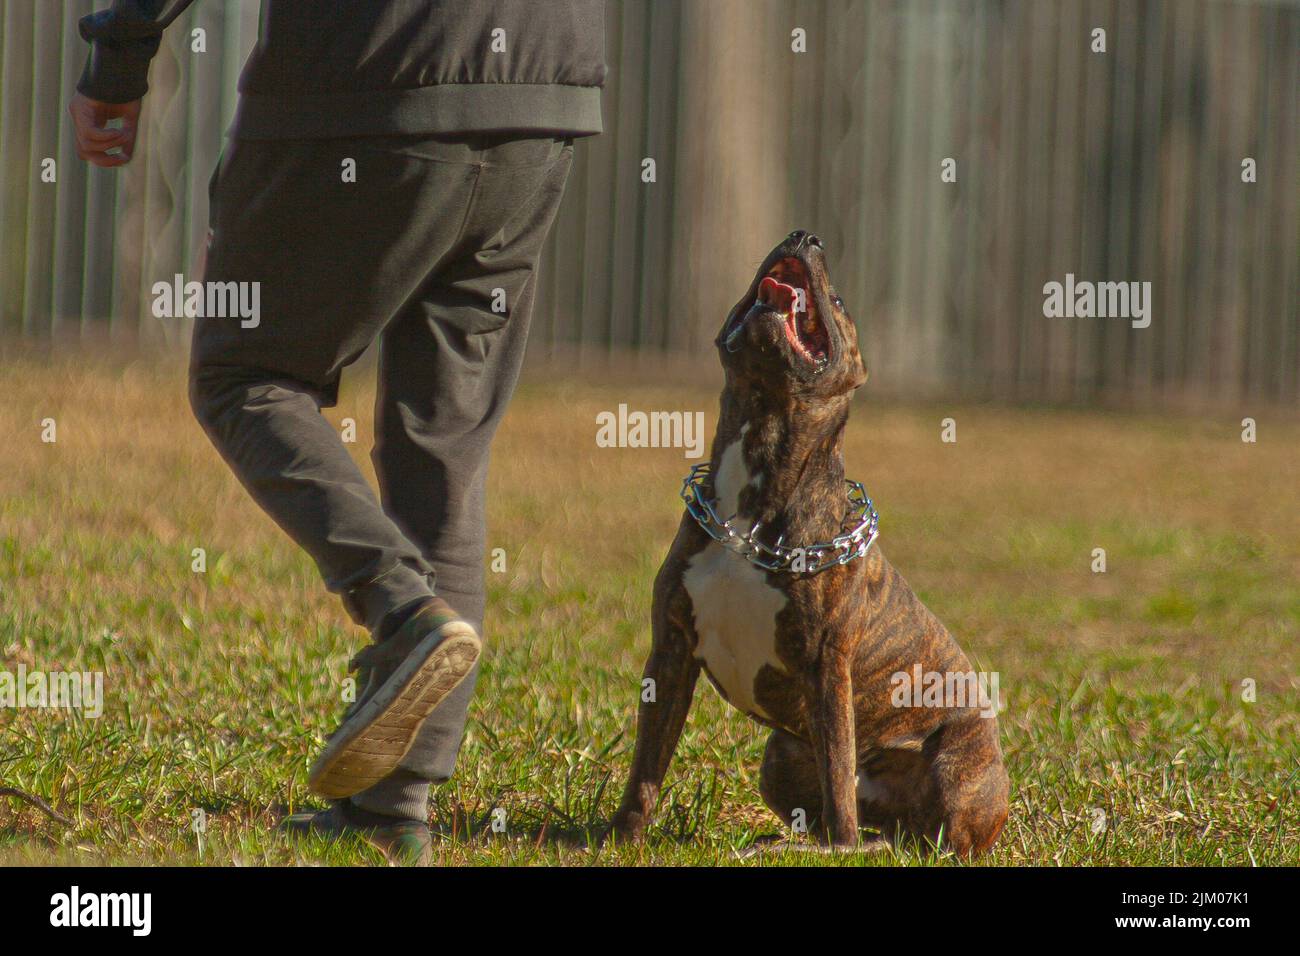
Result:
x=1122 y=165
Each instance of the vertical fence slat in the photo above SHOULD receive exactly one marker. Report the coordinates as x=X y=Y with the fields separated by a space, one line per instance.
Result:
x=67 y=272
x=619 y=219
x=1288 y=212
x=15 y=160
x=655 y=262
x=43 y=146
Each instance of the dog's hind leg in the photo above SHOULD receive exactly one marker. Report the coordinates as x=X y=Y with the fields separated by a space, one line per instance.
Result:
x=895 y=793
x=970 y=784
x=788 y=782
x=789 y=785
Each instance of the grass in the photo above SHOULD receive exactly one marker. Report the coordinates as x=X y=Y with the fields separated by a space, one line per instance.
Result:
x=1123 y=689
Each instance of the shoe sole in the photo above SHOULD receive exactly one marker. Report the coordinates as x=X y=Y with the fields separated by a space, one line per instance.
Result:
x=370 y=744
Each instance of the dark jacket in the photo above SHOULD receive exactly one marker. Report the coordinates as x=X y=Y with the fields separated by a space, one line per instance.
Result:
x=352 y=67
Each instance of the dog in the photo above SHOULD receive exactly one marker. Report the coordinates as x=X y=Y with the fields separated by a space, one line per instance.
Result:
x=797 y=621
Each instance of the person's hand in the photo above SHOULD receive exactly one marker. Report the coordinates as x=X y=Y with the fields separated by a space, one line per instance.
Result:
x=90 y=119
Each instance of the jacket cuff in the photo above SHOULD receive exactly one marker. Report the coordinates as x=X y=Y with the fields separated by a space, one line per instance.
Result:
x=117 y=71
x=114 y=74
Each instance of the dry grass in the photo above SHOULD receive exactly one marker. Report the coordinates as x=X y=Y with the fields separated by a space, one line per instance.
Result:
x=1123 y=689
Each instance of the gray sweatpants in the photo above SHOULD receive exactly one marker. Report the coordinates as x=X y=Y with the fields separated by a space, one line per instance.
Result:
x=416 y=252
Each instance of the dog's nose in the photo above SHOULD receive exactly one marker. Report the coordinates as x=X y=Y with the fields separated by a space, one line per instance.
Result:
x=800 y=236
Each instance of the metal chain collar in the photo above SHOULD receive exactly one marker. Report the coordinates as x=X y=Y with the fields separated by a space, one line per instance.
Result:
x=841 y=549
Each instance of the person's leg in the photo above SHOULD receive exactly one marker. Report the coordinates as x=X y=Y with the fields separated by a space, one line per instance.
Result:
x=335 y=261
x=449 y=363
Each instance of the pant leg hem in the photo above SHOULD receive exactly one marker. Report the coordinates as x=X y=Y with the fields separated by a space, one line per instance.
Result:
x=368 y=604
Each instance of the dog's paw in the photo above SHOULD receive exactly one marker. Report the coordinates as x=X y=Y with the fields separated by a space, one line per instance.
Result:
x=624 y=829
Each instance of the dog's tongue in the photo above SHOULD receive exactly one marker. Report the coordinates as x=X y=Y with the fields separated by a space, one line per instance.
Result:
x=776 y=294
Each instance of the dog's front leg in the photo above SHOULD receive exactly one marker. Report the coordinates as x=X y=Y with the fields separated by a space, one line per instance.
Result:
x=667 y=687
x=831 y=720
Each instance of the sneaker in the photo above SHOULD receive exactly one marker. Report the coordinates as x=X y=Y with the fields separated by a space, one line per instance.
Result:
x=410 y=674
x=401 y=841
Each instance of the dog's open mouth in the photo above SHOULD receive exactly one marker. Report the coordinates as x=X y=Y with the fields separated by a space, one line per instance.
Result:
x=785 y=291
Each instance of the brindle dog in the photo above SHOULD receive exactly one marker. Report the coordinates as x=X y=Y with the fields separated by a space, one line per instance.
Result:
x=810 y=655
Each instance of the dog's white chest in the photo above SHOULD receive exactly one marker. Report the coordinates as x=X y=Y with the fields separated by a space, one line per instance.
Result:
x=735 y=621
x=735 y=608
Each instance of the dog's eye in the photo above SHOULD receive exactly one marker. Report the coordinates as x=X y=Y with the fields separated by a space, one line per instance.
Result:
x=837 y=302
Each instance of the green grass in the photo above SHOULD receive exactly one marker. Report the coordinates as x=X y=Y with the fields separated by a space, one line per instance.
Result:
x=1123 y=689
